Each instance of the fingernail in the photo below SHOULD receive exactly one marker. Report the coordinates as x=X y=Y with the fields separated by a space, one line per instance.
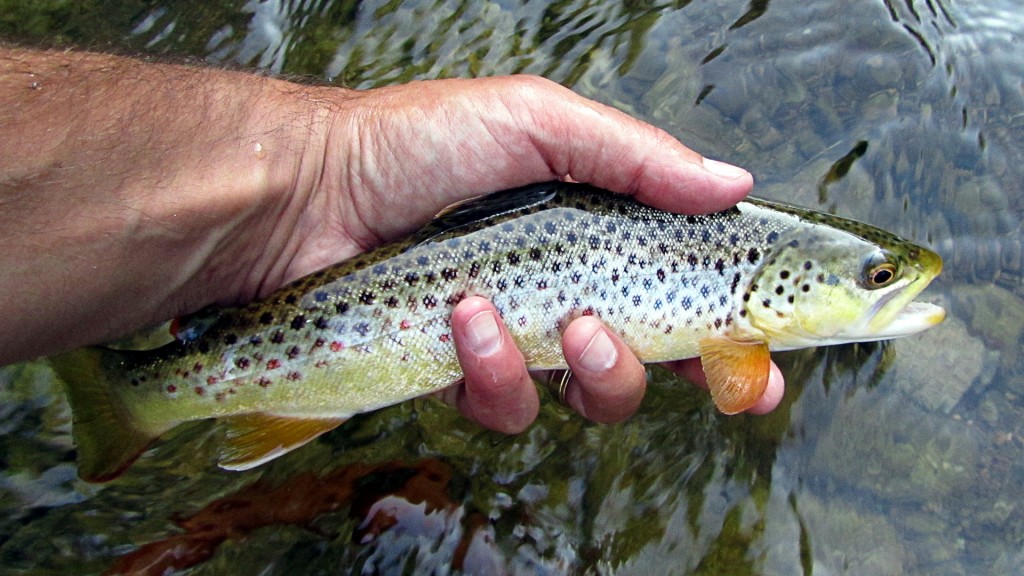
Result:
x=600 y=354
x=723 y=170
x=482 y=333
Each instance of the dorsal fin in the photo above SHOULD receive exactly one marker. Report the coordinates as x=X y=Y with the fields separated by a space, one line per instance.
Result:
x=479 y=212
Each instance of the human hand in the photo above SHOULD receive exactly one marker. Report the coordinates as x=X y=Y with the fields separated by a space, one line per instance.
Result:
x=136 y=192
x=397 y=156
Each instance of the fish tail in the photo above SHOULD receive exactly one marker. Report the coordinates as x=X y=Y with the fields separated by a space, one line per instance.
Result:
x=107 y=434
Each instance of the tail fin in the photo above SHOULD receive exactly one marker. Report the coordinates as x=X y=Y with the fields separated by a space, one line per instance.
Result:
x=106 y=433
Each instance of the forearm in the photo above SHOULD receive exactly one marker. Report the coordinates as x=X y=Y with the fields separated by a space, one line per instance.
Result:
x=132 y=192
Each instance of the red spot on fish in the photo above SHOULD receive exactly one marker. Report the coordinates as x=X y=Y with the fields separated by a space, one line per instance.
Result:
x=211 y=380
x=172 y=388
x=588 y=312
x=444 y=337
x=405 y=324
x=273 y=364
x=337 y=346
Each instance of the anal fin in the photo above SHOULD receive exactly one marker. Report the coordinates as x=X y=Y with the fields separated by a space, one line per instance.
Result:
x=737 y=372
x=253 y=439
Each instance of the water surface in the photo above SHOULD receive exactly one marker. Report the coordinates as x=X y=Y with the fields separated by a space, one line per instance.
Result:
x=898 y=458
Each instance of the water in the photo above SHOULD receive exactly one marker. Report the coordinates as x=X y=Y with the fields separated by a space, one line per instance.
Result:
x=900 y=458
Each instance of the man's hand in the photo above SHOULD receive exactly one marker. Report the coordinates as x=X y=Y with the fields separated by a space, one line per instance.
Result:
x=133 y=192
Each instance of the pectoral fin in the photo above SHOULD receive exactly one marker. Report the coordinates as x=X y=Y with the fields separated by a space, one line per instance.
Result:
x=737 y=372
x=253 y=439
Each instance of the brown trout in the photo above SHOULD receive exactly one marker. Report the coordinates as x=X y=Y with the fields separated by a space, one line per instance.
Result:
x=372 y=331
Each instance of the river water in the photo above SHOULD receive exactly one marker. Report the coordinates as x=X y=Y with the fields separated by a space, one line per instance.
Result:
x=896 y=458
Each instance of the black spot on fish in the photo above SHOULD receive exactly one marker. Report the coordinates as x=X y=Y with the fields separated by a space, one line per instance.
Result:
x=388 y=284
x=806 y=287
x=772 y=237
x=808 y=265
x=242 y=362
x=753 y=255
x=341 y=307
x=298 y=322
x=320 y=322
x=692 y=260
x=266 y=318
x=687 y=302
x=766 y=303
x=784 y=274
x=367 y=297
x=720 y=266
x=735 y=283
x=290 y=299
x=430 y=277
x=277 y=337
x=519 y=281
x=790 y=298
x=779 y=290
x=293 y=352
x=535 y=254
x=513 y=258
x=230 y=339
x=391 y=302
x=474 y=269
x=637 y=300
x=429 y=301
x=449 y=273
x=411 y=278
x=204 y=346
x=255 y=340
x=718 y=322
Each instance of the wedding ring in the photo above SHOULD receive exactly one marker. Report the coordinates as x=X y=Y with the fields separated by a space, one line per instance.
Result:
x=558 y=383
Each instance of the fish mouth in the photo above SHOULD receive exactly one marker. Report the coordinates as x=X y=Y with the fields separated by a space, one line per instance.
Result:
x=913 y=318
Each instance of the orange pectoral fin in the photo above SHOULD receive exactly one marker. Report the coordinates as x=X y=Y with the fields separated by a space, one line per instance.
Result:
x=253 y=439
x=737 y=372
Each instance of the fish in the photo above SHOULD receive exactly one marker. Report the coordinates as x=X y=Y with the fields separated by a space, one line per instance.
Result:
x=728 y=287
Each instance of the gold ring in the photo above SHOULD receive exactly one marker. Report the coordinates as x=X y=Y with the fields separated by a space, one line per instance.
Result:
x=558 y=383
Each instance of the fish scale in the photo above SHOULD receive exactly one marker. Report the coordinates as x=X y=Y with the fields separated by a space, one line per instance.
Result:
x=375 y=330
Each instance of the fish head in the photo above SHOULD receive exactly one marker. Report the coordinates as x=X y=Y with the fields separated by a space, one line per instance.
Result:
x=836 y=283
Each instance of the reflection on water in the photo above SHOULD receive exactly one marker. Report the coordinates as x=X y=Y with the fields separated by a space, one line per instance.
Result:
x=898 y=458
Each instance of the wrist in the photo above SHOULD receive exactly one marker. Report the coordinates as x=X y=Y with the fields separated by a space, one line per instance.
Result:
x=133 y=192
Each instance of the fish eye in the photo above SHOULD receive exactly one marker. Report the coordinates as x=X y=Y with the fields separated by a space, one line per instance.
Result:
x=879 y=272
